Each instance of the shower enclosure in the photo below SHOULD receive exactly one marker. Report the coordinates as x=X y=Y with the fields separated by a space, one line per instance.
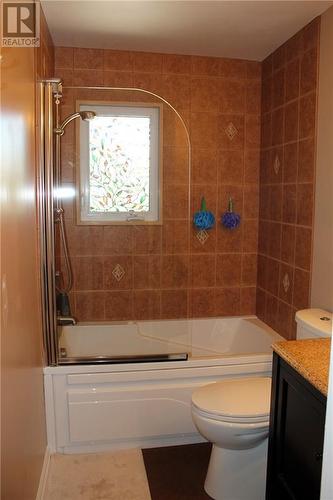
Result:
x=140 y=306
x=115 y=225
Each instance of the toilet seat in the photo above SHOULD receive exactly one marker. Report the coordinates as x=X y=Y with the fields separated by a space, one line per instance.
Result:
x=264 y=420
x=244 y=400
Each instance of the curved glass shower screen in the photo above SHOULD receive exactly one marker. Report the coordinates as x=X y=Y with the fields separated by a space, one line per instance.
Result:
x=121 y=235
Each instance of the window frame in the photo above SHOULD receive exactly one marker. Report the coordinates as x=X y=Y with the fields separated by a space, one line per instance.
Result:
x=82 y=171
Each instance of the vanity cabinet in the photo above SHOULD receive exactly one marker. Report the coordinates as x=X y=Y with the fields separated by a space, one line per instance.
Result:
x=296 y=436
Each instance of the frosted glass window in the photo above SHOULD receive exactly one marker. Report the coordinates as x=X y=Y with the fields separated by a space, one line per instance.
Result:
x=119 y=164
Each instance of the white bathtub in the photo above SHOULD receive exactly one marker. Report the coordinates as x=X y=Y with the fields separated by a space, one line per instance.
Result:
x=96 y=407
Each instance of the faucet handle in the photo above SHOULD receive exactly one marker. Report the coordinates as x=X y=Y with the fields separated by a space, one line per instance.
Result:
x=66 y=320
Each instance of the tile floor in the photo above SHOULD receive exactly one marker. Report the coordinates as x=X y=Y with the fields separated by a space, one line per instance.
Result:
x=118 y=475
x=169 y=473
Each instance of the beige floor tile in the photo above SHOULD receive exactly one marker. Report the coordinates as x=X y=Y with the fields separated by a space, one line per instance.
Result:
x=103 y=476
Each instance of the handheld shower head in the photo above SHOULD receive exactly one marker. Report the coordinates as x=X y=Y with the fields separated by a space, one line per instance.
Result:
x=84 y=115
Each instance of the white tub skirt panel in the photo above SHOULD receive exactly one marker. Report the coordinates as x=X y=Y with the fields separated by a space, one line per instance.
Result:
x=94 y=408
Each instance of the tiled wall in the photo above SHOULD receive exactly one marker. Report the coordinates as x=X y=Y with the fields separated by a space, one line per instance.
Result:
x=287 y=174
x=168 y=272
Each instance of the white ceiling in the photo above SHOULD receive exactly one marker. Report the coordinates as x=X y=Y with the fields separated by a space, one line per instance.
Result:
x=242 y=29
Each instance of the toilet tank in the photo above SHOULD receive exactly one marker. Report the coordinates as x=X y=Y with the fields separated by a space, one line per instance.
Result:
x=313 y=323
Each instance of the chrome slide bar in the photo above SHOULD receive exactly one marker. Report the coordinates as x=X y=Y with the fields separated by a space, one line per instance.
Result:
x=144 y=358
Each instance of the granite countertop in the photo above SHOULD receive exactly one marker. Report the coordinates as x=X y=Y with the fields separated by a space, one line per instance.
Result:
x=309 y=357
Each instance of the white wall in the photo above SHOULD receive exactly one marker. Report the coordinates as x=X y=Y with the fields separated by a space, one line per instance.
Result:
x=322 y=280
x=327 y=476
x=322 y=274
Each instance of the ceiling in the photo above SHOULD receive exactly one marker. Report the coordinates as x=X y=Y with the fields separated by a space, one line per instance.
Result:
x=241 y=29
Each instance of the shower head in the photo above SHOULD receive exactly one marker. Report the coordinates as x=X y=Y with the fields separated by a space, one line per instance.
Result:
x=87 y=115
x=84 y=115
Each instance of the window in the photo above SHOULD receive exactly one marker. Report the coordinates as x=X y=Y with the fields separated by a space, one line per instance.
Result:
x=120 y=169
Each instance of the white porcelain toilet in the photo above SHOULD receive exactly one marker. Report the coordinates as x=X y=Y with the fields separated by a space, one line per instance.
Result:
x=313 y=323
x=234 y=416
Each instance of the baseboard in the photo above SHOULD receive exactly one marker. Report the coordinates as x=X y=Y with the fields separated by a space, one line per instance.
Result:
x=44 y=475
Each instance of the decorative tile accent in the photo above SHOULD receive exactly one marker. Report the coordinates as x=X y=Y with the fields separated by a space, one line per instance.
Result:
x=118 y=272
x=202 y=236
x=231 y=131
x=276 y=164
x=286 y=282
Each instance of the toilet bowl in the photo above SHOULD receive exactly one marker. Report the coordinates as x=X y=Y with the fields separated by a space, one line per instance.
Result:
x=234 y=416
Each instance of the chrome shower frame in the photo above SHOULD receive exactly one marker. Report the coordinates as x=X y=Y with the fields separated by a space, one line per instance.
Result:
x=50 y=212
x=50 y=207
x=47 y=90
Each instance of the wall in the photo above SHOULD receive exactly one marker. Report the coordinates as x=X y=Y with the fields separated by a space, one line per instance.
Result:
x=22 y=403
x=190 y=278
x=289 y=98
x=322 y=279
x=322 y=274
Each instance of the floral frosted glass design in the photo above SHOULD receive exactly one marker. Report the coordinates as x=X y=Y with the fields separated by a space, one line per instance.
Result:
x=119 y=149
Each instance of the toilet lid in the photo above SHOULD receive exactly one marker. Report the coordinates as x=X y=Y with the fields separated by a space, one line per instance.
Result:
x=240 y=398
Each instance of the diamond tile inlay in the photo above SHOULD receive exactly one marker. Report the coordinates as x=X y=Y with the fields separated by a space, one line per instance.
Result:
x=286 y=283
x=118 y=272
x=231 y=131
x=276 y=164
x=202 y=236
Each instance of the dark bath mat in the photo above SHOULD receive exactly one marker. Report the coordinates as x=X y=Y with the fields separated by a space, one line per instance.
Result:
x=177 y=472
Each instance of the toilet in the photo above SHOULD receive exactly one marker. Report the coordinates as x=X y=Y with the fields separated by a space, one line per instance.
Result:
x=234 y=415
x=313 y=323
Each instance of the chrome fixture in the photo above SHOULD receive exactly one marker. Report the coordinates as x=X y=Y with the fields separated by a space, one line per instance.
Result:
x=84 y=115
x=140 y=358
x=59 y=131
x=66 y=320
x=51 y=213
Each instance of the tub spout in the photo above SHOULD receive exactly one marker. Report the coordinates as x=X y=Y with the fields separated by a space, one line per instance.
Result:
x=66 y=320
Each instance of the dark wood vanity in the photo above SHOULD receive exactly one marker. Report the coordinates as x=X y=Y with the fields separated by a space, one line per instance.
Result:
x=296 y=435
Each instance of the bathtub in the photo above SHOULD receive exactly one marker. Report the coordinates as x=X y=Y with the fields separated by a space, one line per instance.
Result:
x=139 y=393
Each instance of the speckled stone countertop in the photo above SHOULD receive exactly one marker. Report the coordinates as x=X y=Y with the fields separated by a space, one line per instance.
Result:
x=309 y=357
